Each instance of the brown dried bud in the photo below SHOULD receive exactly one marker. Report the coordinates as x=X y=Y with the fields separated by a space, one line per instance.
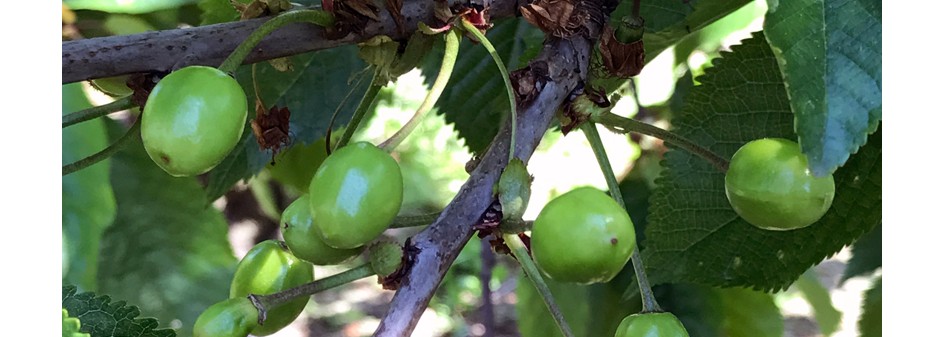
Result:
x=272 y=128
x=622 y=60
x=528 y=82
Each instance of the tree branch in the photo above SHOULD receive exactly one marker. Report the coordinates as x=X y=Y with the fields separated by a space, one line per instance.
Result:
x=209 y=45
x=440 y=243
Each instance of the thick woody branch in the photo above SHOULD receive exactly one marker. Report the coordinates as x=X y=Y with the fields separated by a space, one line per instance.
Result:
x=440 y=243
x=209 y=45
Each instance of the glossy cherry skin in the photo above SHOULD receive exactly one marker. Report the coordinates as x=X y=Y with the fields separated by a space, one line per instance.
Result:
x=355 y=195
x=582 y=236
x=661 y=324
x=193 y=118
x=303 y=239
x=234 y=317
x=769 y=185
x=269 y=268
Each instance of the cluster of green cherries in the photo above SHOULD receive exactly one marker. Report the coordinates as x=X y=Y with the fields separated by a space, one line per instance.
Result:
x=192 y=120
x=195 y=116
x=355 y=194
x=584 y=236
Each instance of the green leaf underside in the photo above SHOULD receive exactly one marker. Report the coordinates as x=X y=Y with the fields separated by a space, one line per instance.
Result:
x=867 y=254
x=693 y=234
x=830 y=53
x=166 y=251
x=100 y=317
x=475 y=100
x=88 y=204
x=871 y=320
x=312 y=92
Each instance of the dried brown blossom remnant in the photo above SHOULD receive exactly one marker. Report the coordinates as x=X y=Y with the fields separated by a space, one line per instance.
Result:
x=271 y=129
x=564 y=18
x=394 y=7
x=351 y=16
x=259 y=8
x=528 y=82
x=622 y=59
x=141 y=85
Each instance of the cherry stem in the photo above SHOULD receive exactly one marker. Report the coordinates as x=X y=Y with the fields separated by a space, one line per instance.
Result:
x=107 y=152
x=521 y=254
x=331 y=121
x=366 y=102
x=624 y=125
x=265 y=303
x=590 y=131
x=446 y=70
x=314 y=16
x=505 y=76
x=404 y=221
x=80 y=116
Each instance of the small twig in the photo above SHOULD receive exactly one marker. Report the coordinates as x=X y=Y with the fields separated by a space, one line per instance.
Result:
x=590 y=131
x=528 y=265
x=505 y=77
x=107 y=152
x=404 y=221
x=97 y=111
x=366 y=102
x=623 y=124
x=442 y=78
x=264 y=303
x=318 y=17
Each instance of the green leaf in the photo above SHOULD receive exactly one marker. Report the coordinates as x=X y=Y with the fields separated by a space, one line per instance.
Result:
x=871 y=320
x=311 y=91
x=667 y=22
x=123 y=24
x=88 y=204
x=475 y=100
x=126 y=6
x=217 y=11
x=670 y=22
x=71 y=326
x=827 y=316
x=711 y=312
x=830 y=53
x=867 y=254
x=693 y=234
x=102 y=318
x=750 y=313
x=698 y=307
x=166 y=251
